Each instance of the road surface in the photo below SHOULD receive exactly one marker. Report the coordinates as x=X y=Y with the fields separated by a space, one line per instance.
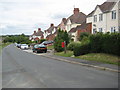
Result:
x=26 y=70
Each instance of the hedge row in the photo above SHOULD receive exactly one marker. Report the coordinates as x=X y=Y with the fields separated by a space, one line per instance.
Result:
x=100 y=43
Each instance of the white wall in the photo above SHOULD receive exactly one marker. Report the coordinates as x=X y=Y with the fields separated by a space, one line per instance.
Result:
x=112 y=22
x=89 y=19
x=99 y=24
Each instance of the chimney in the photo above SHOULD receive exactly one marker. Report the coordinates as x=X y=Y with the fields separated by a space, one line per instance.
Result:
x=63 y=19
x=39 y=29
x=34 y=32
x=51 y=25
x=76 y=10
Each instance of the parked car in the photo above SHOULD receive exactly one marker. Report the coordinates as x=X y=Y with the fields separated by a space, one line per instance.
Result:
x=24 y=46
x=39 y=48
x=18 y=45
x=47 y=42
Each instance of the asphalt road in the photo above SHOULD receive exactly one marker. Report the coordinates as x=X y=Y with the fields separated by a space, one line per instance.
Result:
x=26 y=70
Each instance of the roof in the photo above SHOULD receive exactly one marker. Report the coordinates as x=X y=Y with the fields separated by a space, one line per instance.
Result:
x=38 y=33
x=72 y=30
x=50 y=29
x=82 y=26
x=77 y=18
x=105 y=7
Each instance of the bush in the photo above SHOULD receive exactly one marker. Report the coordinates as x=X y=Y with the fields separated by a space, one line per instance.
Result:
x=72 y=45
x=96 y=43
x=99 y=43
x=81 y=49
x=83 y=34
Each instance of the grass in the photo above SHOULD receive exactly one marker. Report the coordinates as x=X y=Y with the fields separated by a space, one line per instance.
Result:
x=68 y=54
x=99 y=57
x=50 y=47
x=2 y=45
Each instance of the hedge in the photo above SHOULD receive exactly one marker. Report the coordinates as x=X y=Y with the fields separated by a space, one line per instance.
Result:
x=100 y=43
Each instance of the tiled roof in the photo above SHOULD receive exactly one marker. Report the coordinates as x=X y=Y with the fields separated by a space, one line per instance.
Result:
x=72 y=30
x=77 y=18
x=39 y=33
x=105 y=7
x=82 y=26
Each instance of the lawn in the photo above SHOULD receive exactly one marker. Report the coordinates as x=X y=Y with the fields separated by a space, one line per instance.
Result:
x=68 y=54
x=50 y=47
x=99 y=57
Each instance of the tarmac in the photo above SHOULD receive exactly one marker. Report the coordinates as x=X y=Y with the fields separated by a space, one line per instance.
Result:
x=93 y=64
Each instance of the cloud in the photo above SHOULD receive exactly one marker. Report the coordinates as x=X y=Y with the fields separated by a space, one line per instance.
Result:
x=24 y=16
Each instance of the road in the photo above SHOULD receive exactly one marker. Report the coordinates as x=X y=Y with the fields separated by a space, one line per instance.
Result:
x=26 y=70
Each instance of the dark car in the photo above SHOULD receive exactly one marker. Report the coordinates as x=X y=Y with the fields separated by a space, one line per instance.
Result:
x=39 y=48
x=47 y=42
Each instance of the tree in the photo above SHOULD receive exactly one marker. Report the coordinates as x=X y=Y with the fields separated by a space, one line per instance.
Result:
x=61 y=37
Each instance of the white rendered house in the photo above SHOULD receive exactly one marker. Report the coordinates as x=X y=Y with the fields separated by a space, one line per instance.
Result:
x=105 y=17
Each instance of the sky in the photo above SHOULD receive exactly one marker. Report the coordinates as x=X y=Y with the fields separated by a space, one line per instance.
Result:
x=25 y=16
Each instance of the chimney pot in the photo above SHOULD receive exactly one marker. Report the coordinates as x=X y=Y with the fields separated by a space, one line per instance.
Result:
x=39 y=29
x=34 y=31
x=76 y=10
x=52 y=25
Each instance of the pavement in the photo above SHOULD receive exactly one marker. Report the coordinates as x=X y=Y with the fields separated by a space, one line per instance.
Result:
x=23 y=69
x=94 y=64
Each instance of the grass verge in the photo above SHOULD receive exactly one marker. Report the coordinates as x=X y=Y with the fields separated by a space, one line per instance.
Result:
x=50 y=47
x=2 y=45
x=99 y=57
x=68 y=54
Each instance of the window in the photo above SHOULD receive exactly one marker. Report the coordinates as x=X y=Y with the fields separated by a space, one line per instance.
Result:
x=95 y=18
x=94 y=31
x=100 y=17
x=100 y=30
x=114 y=14
x=113 y=29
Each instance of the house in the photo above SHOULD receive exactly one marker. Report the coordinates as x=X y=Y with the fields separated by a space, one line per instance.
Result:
x=36 y=35
x=105 y=17
x=85 y=27
x=50 y=33
x=62 y=24
x=77 y=18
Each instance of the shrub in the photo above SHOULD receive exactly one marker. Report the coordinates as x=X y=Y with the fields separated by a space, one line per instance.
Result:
x=96 y=43
x=83 y=34
x=81 y=49
x=72 y=45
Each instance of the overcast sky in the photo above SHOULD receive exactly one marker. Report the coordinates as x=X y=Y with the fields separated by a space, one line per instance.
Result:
x=25 y=16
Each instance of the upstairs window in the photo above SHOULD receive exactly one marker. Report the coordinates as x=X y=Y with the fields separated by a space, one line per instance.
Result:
x=114 y=14
x=100 y=17
x=95 y=18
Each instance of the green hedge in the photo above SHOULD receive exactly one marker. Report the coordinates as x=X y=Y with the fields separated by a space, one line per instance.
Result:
x=72 y=45
x=100 y=43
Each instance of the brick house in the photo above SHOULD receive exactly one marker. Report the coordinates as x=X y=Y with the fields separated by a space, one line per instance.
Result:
x=85 y=27
x=36 y=35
